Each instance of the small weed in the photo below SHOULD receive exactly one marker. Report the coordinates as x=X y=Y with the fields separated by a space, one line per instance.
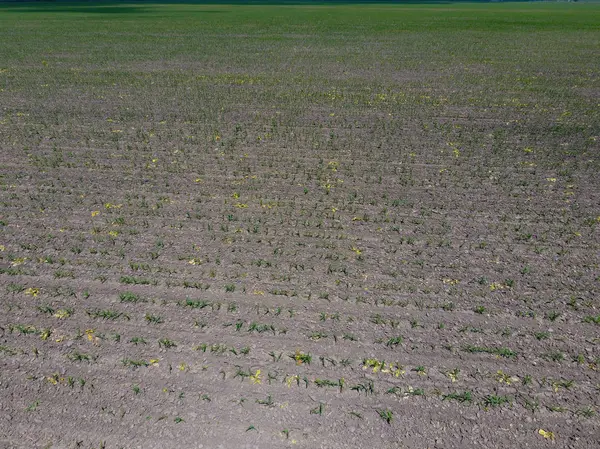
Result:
x=366 y=388
x=326 y=383
x=465 y=396
x=15 y=288
x=318 y=410
x=136 y=280
x=415 y=391
x=315 y=336
x=46 y=309
x=541 y=335
x=495 y=401
x=592 y=319
x=32 y=407
x=134 y=363
x=301 y=358
x=394 y=341
x=62 y=274
x=76 y=356
x=260 y=328
x=137 y=340
x=532 y=405
x=448 y=307
x=8 y=351
x=24 y=330
x=241 y=373
x=130 y=297
x=420 y=370
x=553 y=356
x=276 y=357
x=153 y=319
x=107 y=314
x=268 y=401
x=166 y=343
x=200 y=304
x=556 y=408
x=377 y=319
x=587 y=412
x=387 y=415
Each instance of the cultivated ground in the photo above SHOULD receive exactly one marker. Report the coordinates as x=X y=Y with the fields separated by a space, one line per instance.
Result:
x=299 y=226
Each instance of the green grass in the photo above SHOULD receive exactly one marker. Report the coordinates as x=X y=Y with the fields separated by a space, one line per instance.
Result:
x=496 y=50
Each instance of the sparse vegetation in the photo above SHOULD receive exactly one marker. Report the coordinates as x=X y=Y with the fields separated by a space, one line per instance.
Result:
x=299 y=225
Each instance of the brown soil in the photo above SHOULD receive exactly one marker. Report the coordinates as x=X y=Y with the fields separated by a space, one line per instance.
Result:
x=235 y=261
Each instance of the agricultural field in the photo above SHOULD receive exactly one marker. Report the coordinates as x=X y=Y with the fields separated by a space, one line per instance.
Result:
x=310 y=226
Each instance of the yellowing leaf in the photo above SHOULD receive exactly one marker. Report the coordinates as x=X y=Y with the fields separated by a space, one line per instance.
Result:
x=95 y=212
x=18 y=261
x=453 y=375
x=398 y=371
x=32 y=292
x=546 y=434
x=450 y=281
x=496 y=286
x=45 y=334
x=291 y=379
x=503 y=378
x=255 y=378
x=62 y=313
